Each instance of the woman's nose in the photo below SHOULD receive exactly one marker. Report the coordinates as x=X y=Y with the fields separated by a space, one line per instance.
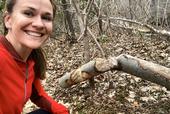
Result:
x=38 y=23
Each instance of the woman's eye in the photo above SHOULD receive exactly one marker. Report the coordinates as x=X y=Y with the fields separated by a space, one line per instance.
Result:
x=28 y=13
x=47 y=18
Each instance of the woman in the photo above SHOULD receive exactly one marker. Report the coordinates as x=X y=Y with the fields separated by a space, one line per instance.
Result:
x=28 y=24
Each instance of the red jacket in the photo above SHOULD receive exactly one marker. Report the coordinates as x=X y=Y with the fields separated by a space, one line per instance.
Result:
x=18 y=84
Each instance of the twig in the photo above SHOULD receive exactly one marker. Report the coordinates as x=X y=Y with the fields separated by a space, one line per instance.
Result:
x=100 y=48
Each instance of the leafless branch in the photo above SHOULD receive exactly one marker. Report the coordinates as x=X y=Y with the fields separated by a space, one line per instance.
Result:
x=83 y=22
x=145 y=26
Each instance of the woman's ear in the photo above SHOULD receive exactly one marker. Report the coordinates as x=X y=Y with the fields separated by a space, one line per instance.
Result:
x=7 y=20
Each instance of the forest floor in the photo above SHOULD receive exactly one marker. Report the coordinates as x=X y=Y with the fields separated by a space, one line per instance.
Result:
x=115 y=92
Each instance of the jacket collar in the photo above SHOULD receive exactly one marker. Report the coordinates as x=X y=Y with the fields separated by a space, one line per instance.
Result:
x=8 y=46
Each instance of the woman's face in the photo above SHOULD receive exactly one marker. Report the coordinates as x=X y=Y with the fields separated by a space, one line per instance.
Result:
x=30 y=23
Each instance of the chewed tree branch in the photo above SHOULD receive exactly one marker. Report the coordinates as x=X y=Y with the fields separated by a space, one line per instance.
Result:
x=144 y=69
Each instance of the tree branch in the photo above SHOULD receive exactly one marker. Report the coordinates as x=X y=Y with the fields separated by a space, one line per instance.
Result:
x=83 y=23
x=149 y=27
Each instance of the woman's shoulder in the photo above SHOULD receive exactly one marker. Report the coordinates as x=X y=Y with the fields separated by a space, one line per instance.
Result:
x=4 y=54
x=3 y=51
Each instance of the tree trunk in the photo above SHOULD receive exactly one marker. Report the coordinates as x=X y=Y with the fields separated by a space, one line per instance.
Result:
x=100 y=23
x=68 y=21
x=146 y=70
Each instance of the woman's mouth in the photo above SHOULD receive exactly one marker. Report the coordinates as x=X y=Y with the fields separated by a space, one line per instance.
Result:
x=35 y=34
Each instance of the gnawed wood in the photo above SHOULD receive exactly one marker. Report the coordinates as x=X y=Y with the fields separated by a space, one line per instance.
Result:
x=144 y=69
x=87 y=71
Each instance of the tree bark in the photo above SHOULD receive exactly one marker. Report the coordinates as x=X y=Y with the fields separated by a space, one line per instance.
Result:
x=144 y=69
x=69 y=21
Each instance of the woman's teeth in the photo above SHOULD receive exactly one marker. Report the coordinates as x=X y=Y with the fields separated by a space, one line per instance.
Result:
x=36 y=34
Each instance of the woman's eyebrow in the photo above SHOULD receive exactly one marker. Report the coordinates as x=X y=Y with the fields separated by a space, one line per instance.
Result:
x=47 y=13
x=31 y=8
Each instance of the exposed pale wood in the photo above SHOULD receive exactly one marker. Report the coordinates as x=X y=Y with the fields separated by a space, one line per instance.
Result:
x=87 y=71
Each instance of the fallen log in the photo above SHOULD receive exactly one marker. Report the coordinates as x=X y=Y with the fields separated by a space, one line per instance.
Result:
x=144 y=69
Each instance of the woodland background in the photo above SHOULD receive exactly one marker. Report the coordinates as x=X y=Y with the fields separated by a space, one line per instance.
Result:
x=88 y=29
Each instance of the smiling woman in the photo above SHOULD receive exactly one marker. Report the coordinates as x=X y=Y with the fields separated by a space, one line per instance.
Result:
x=28 y=24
